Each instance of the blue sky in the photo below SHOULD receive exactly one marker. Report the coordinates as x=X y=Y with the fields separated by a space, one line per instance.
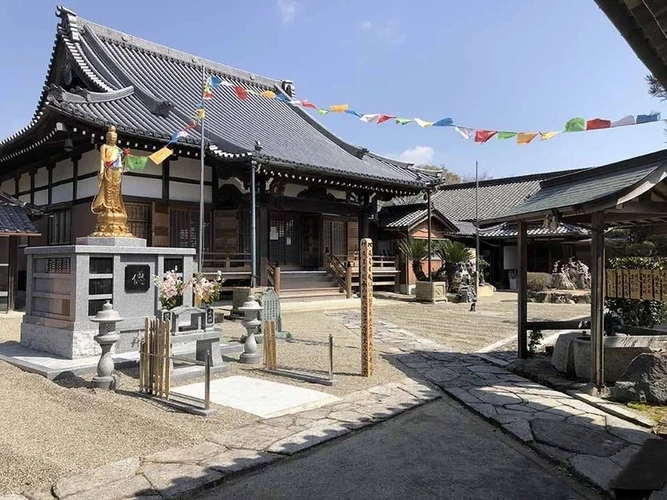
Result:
x=517 y=65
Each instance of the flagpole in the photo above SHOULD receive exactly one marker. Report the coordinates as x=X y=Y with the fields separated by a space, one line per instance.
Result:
x=200 y=256
x=477 y=257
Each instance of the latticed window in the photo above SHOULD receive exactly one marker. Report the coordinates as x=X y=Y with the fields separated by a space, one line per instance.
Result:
x=59 y=229
x=139 y=220
x=184 y=228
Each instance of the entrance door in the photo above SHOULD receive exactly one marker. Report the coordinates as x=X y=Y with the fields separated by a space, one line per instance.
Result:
x=284 y=239
x=310 y=241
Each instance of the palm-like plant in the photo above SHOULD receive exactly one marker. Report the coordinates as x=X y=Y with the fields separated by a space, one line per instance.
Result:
x=416 y=251
x=452 y=254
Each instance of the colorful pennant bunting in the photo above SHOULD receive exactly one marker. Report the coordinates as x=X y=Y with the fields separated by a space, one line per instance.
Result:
x=160 y=155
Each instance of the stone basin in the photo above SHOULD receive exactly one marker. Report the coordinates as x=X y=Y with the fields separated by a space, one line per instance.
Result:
x=572 y=353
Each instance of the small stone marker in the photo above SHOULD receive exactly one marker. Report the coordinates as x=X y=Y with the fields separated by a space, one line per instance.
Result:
x=366 y=292
x=270 y=301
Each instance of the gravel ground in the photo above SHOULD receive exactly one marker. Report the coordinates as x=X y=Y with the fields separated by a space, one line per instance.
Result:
x=455 y=326
x=72 y=428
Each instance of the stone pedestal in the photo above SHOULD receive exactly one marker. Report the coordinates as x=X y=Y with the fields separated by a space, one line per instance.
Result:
x=67 y=285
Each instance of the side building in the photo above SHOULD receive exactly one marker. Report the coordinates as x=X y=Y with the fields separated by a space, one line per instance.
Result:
x=315 y=192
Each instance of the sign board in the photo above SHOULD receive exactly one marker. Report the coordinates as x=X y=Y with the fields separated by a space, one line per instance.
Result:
x=137 y=278
x=638 y=284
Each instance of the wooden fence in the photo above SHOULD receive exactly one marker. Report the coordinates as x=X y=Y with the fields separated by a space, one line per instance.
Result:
x=154 y=358
x=639 y=284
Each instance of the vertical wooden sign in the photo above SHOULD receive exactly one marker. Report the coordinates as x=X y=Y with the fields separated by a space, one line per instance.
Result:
x=366 y=292
x=626 y=284
x=611 y=283
x=657 y=285
x=647 y=284
x=635 y=284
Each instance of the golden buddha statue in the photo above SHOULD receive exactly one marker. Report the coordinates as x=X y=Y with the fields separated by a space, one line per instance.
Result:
x=108 y=202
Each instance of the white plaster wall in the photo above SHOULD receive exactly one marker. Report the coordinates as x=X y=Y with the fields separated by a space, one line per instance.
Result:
x=25 y=198
x=89 y=162
x=8 y=186
x=140 y=186
x=41 y=197
x=188 y=169
x=63 y=171
x=87 y=187
x=62 y=193
x=41 y=177
x=341 y=195
x=292 y=190
x=24 y=182
x=180 y=191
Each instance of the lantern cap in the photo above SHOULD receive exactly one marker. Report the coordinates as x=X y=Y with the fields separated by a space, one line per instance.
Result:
x=250 y=305
x=107 y=314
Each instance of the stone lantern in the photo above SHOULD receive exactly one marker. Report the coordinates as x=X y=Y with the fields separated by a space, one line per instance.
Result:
x=106 y=338
x=251 y=323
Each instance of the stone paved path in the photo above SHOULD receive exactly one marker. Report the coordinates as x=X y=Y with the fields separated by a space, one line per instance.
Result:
x=592 y=444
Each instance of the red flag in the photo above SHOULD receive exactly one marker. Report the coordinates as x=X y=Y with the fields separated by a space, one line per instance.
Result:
x=241 y=92
x=484 y=135
x=384 y=118
x=597 y=123
x=307 y=104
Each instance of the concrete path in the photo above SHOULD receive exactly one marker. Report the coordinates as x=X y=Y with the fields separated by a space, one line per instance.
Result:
x=589 y=442
x=438 y=451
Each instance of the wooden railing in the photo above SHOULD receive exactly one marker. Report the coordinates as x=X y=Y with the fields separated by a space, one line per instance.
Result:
x=273 y=275
x=233 y=262
x=342 y=273
x=346 y=270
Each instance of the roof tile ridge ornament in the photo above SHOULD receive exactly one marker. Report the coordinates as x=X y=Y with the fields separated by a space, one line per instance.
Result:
x=68 y=24
x=192 y=60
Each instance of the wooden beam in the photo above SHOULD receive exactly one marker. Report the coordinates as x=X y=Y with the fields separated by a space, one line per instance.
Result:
x=13 y=258
x=597 y=300
x=522 y=296
x=641 y=207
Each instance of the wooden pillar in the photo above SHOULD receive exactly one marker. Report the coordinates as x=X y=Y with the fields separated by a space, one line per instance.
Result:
x=522 y=298
x=262 y=240
x=597 y=300
x=430 y=248
x=32 y=186
x=12 y=271
x=75 y=177
x=366 y=292
x=165 y=181
x=49 y=170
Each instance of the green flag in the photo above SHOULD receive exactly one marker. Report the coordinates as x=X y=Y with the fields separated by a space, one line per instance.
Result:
x=133 y=163
x=506 y=135
x=403 y=121
x=575 y=125
x=322 y=111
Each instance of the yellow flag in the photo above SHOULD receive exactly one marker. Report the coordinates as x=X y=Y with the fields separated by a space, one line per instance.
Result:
x=423 y=123
x=160 y=155
x=525 y=137
x=339 y=108
x=269 y=93
x=545 y=136
x=201 y=113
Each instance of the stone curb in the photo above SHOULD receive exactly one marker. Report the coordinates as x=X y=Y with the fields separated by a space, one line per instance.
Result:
x=185 y=472
x=615 y=409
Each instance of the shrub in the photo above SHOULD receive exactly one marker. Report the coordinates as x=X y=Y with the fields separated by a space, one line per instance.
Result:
x=536 y=282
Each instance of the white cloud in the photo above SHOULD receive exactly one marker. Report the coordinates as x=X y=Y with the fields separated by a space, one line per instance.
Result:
x=387 y=32
x=419 y=155
x=287 y=10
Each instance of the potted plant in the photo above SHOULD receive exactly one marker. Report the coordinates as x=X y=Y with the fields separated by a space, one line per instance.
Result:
x=170 y=292
x=427 y=289
x=206 y=292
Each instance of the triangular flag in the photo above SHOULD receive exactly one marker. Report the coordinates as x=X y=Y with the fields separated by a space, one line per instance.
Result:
x=282 y=97
x=241 y=92
x=339 y=108
x=208 y=93
x=404 y=121
x=423 y=123
x=575 y=125
x=352 y=112
x=269 y=93
x=214 y=81
x=545 y=136
x=369 y=118
x=308 y=104
x=134 y=163
x=525 y=137
x=177 y=135
x=201 y=113
x=653 y=117
x=482 y=136
x=295 y=102
x=322 y=111
x=626 y=120
x=444 y=122
x=506 y=135
x=384 y=118
x=465 y=132
x=160 y=155
x=597 y=123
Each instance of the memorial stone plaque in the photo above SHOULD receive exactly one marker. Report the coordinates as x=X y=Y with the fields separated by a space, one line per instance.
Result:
x=270 y=301
x=137 y=278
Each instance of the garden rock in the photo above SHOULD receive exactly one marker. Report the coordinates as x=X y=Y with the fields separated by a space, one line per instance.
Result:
x=644 y=380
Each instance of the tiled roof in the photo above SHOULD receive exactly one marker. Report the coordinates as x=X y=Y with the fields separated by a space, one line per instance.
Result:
x=596 y=185
x=407 y=216
x=496 y=196
x=509 y=230
x=151 y=90
x=14 y=217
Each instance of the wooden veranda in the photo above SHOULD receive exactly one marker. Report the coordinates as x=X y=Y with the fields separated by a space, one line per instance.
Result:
x=627 y=193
